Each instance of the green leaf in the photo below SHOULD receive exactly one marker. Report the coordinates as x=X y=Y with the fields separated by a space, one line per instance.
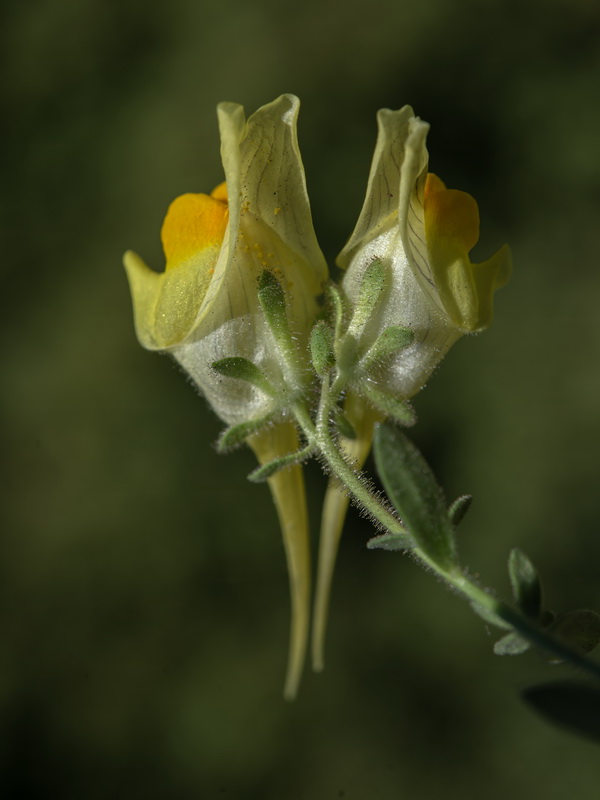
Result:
x=372 y=285
x=321 y=348
x=415 y=494
x=511 y=645
x=272 y=301
x=459 y=508
x=391 y=541
x=243 y=370
x=237 y=434
x=526 y=585
x=399 y=410
x=580 y=629
x=265 y=471
x=391 y=341
x=569 y=704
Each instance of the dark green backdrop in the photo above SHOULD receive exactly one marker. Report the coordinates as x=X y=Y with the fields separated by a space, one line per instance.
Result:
x=144 y=597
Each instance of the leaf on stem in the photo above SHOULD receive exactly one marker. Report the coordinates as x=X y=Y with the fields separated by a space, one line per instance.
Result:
x=265 y=471
x=511 y=645
x=526 y=585
x=458 y=509
x=272 y=301
x=243 y=370
x=391 y=541
x=399 y=410
x=391 y=341
x=415 y=494
x=237 y=434
x=321 y=348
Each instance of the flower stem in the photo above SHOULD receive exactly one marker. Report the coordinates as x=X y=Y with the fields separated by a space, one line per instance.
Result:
x=319 y=436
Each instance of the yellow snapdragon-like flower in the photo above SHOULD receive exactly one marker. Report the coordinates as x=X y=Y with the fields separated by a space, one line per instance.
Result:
x=422 y=233
x=203 y=307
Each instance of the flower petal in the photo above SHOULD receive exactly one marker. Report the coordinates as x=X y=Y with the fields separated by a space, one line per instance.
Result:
x=335 y=507
x=452 y=230
x=287 y=489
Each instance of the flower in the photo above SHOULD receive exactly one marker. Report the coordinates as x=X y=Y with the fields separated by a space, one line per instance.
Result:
x=204 y=307
x=420 y=233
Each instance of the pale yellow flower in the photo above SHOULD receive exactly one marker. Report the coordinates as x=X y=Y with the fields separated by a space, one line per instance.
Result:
x=204 y=306
x=422 y=233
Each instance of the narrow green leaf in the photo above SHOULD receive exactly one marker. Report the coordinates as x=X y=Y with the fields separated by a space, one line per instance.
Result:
x=526 y=585
x=243 y=370
x=391 y=541
x=272 y=301
x=265 y=471
x=511 y=645
x=569 y=704
x=321 y=348
x=399 y=410
x=391 y=341
x=415 y=494
x=580 y=629
x=372 y=285
x=237 y=434
x=459 y=508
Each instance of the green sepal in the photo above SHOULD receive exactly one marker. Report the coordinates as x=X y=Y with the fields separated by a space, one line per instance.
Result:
x=344 y=426
x=272 y=301
x=511 y=645
x=372 y=285
x=458 y=509
x=391 y=541
x=580 y=629
x=265 y=471
x=399 y=410
x=391 y=341
x=415 y=494
x=526 y=585
x=321 y=348
x=244 y=370
x=237 y=434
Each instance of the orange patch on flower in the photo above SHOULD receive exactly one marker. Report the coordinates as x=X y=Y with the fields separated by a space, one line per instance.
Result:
x=194 y=222
x=451 y=216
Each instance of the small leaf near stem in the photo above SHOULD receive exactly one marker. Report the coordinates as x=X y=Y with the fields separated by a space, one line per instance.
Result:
x=372 y=285
x=321 y=348
x=244 y=370
x=264 y=472
x=458 y=509
x=526 y=585
x=415 y=494
x=237 y=434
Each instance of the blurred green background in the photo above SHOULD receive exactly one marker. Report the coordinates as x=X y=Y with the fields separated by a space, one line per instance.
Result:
x=144 y=594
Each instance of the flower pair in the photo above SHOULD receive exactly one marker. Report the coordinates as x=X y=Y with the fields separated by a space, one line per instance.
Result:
x=205 y=308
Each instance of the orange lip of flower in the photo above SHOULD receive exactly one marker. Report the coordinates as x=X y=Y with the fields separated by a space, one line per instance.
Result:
x=194 y=222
